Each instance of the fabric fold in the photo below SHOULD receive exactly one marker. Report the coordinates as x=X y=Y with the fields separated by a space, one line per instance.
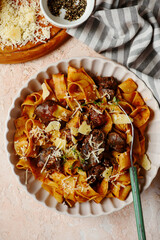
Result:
x=128 y=32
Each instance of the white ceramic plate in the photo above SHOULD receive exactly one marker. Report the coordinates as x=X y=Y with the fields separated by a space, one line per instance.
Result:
x=95 y=66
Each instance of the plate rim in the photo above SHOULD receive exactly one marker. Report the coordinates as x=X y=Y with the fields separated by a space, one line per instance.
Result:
x=13 y=106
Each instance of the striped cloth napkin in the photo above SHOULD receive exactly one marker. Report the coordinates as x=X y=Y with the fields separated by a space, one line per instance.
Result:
x=126 y=31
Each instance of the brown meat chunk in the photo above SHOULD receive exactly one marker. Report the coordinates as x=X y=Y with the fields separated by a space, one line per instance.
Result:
x=107 y=82
x=45 y=110
x=66 y=133
x=108 y=93
x=106 y=162
x=91 y=147
x=95 y=174
x=98 y=119
x=52 y=159
x=116 y=142
x=107 y=86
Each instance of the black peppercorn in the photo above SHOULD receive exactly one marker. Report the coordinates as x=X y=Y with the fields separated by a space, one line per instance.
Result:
x=74 y=9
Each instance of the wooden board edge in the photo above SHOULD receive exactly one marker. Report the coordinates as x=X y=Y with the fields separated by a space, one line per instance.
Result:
x=35 y=52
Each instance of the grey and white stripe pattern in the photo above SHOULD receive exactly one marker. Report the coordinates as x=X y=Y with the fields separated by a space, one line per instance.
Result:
x=126 y=31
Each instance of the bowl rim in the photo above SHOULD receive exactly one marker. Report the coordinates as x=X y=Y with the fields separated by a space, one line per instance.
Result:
x=82 y=19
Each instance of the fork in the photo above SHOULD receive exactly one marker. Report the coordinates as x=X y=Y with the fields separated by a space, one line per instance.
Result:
x=135 y=188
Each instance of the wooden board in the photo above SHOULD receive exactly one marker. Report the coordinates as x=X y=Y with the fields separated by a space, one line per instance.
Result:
x=30 y=51
x=26 y=38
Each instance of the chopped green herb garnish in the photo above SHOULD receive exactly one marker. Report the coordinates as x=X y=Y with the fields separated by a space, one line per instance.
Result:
x=115 y=100
x=83 y=104
x=83 y=160
x=74 y=150
x=79 y=168
x=97 y=103
x=64 y=157
x=71 y=167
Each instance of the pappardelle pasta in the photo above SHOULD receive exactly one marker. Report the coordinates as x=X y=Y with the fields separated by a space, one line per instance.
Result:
x=74 y=138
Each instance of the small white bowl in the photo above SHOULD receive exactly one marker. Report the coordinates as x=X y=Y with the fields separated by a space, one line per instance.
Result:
x=60 y=21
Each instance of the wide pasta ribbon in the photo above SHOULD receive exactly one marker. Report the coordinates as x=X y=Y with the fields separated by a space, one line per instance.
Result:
x=80 y=85
x=30 y=103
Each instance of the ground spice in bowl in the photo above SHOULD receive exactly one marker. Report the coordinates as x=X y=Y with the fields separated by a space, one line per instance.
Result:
x=74 y=9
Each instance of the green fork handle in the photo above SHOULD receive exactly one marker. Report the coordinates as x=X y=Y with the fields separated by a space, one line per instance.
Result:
x=137 y=204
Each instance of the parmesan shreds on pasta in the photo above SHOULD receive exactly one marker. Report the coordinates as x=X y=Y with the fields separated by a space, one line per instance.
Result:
x=45 y=163
x=96 y=110
x=81 y=153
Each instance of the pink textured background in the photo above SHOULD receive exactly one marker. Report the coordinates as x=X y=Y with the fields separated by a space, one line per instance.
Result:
x=23 y=218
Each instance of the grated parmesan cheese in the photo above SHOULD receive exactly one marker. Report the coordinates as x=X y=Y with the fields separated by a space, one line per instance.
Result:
x=107 y=173
x=74 y=131
x=84 y=128
x=145 y=162
x=74 y=140
x=95 y=157
x=79 y=106
x=116 y=176
x=120 y=119
x=96 y=110
x=19 y=23
x=56 y=153
x=37 y=132
x=45 y=163
x=129 y=138
x=23 y=149
x=106 y=94
x=60 y=143
x=54 y=125
x=90 y=141
x=94 y=144
x=45 y=92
